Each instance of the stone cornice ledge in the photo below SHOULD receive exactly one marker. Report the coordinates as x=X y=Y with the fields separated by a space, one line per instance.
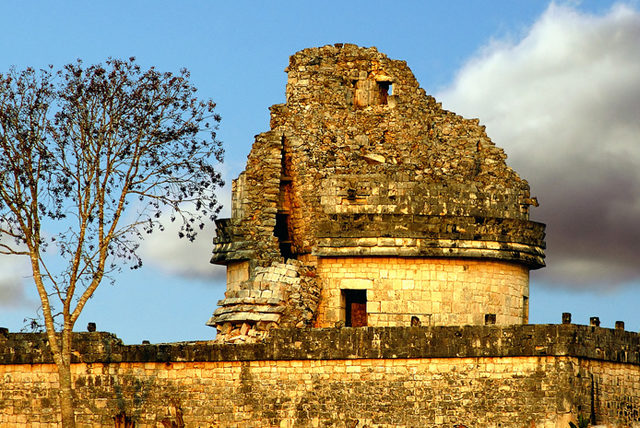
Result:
x=539 y=340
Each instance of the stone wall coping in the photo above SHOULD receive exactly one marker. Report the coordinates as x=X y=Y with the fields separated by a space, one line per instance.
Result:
x=538 y=340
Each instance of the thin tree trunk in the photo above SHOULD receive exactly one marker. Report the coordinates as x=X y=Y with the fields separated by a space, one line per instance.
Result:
x=67 y=409
x=66 y=395
x=60 y=346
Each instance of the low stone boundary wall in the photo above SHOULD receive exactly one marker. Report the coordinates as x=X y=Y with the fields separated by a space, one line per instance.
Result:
x=477 y=376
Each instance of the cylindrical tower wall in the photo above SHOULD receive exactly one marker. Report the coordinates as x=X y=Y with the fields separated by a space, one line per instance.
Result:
x=409 y=212
x=438 y=291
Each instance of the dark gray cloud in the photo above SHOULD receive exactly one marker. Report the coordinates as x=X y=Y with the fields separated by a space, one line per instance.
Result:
x=564 y=102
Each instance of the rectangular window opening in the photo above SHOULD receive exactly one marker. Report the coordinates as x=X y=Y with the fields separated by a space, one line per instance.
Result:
x=385 y=89
x=355 y=308
x=525 y=310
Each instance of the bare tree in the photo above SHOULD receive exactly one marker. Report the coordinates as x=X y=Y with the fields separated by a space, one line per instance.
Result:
x=90 y=157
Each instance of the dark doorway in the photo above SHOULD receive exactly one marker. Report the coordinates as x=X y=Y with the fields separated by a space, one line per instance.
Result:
x=355 y=308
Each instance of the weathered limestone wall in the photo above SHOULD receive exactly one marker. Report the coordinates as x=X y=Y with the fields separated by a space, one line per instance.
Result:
x=361 y=162
x=361 y=137
x=358 y=137
x=606 y=387
x=249 y=234
x=478 y=376
x=280 y=295
x=237 y=273
x=437 y=291
x=431 y=392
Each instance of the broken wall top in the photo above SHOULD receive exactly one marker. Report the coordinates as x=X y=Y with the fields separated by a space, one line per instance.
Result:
x=336 y=102
x=361 y=161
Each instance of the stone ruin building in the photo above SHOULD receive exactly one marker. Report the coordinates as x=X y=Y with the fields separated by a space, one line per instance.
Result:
x=365 y=205
x=368 y=204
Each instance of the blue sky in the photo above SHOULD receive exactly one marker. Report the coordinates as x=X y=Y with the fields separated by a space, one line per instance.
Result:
x=557 y=85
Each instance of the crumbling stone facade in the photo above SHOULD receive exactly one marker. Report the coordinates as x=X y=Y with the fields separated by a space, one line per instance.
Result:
x=362 y=170
x=284 y=295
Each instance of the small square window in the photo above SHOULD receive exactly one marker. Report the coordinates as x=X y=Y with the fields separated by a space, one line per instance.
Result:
x=386 y=89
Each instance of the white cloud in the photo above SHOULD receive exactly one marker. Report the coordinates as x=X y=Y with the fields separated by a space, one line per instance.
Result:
x=166 y=251
x=13 y=271
x=564 y=102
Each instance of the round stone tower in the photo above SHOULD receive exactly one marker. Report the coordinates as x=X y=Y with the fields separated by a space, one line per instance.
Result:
x=396 y=211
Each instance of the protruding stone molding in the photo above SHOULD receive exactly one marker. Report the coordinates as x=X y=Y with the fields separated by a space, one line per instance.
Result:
x=514 y=240
x=528 y=255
